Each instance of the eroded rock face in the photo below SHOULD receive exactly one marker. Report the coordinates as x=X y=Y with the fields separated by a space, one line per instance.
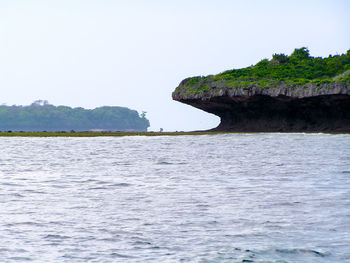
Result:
x=280 y=108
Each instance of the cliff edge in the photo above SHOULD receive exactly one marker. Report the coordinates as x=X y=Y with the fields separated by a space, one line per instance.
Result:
x=296 y=93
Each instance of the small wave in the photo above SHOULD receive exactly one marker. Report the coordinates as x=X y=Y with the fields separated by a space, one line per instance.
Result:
x=58 y=223
x=171 y=163
x=19 y=250
x=287 y=204
x=11 y=184
x=34 y=191
x=59 y=186
x=164 y=163
x=24 y=224
x=78 y=207
x=142 y=243
x=88 y=181
x=121 y=185
x=108 y=239
x=98 y=188
x=297 y=251
x=101 y=182
x=121 y=163
x=202 y=206
x=20 y=259
x=118 y=255
x=55 y=237
x=282 y=255
x=16 y=195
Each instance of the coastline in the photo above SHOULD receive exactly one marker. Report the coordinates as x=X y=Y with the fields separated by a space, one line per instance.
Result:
x=123 y=134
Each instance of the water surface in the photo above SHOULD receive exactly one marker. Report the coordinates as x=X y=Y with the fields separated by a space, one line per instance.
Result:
x=210 y=198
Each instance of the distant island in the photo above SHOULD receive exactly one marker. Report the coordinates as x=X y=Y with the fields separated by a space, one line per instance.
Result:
x=284 y=94
x=42 y=116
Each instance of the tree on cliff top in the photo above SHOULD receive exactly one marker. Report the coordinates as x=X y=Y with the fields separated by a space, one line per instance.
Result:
x=300 y=53
x=299 y=65
x=298 y=68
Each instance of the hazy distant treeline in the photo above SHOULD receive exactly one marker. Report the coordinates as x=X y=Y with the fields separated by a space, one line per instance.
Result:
x=41 y=116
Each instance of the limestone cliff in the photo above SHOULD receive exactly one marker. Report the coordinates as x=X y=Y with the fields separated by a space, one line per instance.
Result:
x=273 y=104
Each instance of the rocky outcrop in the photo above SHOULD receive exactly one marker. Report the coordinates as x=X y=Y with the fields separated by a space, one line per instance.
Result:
x=280 y=107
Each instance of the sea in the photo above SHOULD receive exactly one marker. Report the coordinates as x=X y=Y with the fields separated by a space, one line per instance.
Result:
x=260 y=197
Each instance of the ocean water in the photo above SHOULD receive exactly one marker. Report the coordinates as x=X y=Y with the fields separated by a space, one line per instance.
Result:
x=209 y=198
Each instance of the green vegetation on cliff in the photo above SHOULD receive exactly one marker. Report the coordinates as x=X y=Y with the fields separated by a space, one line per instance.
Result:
x=41 y=116
x=297 y=69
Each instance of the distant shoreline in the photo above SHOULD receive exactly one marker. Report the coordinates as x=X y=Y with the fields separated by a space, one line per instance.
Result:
x=122 y=134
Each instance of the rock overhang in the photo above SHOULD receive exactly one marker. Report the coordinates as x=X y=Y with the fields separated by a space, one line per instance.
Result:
x=308 y=107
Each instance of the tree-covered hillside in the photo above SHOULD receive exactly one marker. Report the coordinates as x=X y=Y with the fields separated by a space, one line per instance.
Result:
x=297 y=69
x=41 y=116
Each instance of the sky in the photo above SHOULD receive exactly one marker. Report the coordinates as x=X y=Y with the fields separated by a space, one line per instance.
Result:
x=134 y=53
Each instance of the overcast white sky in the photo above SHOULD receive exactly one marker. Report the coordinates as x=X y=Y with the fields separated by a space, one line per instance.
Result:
x=133 y=53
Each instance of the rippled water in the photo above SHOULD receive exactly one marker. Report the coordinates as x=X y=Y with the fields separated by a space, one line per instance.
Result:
x=221 y=198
